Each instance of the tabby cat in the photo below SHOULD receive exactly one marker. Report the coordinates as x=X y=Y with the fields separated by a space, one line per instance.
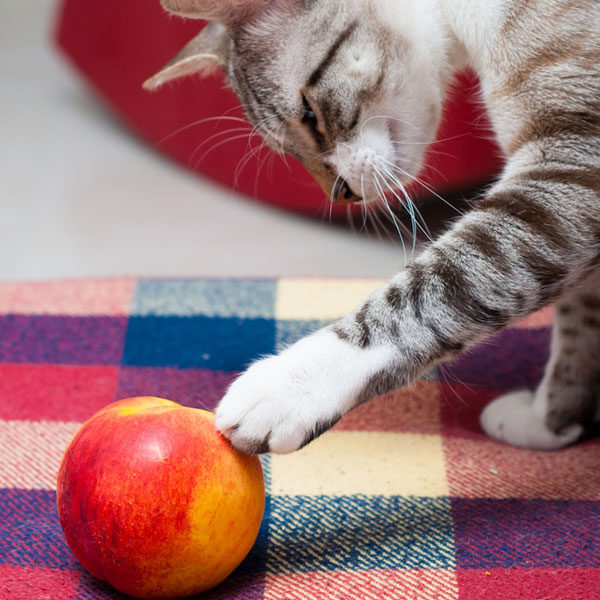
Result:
x=354 y=89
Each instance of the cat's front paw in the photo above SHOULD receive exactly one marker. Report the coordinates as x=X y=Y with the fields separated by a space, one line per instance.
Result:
x=283 y=402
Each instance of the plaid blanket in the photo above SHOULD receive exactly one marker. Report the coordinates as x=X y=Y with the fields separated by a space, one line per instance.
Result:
x=405 y=498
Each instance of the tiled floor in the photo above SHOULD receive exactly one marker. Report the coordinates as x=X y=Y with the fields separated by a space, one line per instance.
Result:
x=79 y=196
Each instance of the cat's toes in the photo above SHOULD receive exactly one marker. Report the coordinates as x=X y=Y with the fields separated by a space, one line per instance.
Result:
x=275 y=407
x=250 y=412
x=512 y=419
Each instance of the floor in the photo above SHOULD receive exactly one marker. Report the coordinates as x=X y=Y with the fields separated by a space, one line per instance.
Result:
x=82 y=197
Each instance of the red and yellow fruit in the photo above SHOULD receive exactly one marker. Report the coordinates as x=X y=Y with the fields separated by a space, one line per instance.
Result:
x=152 y=499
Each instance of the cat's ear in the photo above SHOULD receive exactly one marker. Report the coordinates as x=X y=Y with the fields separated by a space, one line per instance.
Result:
x=227 y=12
x=205 y=53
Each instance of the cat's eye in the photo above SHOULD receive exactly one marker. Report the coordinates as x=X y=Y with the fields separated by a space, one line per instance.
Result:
x=309 y=116
x=311 y=121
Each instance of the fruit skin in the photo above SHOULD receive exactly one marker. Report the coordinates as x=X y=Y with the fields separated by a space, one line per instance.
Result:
x=152 y=499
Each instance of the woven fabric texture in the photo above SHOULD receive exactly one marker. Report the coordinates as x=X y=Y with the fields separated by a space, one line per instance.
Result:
x=404 y=499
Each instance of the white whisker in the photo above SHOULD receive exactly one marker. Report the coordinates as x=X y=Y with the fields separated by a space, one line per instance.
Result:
x=421 y=183
x=199 y=122
x=385 y=203
x=218 y=145
x=215 y=136
x=407 y=207
x=364 y=203
x=388 y=117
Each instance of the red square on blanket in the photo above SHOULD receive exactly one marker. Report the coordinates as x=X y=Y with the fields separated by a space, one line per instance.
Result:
x=528 y=584
x=55 y=392
x=28 y=583
x=485 y=468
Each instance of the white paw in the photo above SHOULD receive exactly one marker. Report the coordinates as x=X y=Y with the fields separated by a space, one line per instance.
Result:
x=516 y=420
x=282 y=402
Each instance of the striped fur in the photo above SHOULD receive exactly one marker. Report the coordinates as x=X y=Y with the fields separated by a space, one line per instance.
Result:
x=349 y=87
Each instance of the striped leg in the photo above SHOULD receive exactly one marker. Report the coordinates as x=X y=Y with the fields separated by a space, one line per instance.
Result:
x=566 y=401
x=535 y=235
x=511 y=255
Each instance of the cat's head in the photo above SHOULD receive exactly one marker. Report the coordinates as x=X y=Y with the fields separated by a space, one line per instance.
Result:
x=353 y=89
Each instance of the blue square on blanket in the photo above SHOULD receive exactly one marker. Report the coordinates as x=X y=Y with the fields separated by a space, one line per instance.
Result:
x=30 y=534
x=200 y=342
x=514 y=533
x=359 y=533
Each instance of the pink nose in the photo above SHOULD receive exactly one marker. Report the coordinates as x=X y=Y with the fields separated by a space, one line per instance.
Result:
x=342 y=194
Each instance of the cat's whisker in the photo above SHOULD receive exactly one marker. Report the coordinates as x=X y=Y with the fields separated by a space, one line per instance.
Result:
x=390 y=118
x=445 y=373
x=390 y=211
x=331 y=198
x=410 y=206
x=281 y=144
x=271 y=166
x=237 y=107
x=371 y=217
x=431 y=167
x=407 y=204
x=215 y=136
x=422 y=225
x=375 y=219
x=322 y=154
x=251 y=133
x=350 y=217
x=261 y=163
x=265 y=141
x=261 y=128
x=418 y=181
x=218 y=145
x=274 y=140
x=422 y=184
x=243 y=162
x=196 y=123
x=376 y=223
x=446 y=139
x=364 y=203
x=262 y=122
x=384 y=177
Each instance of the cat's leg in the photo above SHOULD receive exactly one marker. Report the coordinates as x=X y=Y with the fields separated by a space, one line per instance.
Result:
x=533 y=236
x=510 y=256
x=565 y=403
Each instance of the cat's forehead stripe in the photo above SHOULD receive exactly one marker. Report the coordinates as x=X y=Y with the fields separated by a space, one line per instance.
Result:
x=333 y=50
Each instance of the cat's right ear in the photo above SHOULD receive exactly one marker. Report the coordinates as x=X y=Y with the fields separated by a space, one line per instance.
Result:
x=227 y=12
x=205 y=53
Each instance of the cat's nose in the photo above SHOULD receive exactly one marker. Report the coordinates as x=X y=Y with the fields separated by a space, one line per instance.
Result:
x=342 y=194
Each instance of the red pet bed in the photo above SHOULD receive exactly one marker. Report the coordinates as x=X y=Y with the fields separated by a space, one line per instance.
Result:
x=117 y=45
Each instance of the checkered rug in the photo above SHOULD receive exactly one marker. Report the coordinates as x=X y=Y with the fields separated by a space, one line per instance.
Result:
x=404 y=499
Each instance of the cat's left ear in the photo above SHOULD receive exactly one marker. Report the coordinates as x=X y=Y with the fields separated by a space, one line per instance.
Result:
x=205 y=53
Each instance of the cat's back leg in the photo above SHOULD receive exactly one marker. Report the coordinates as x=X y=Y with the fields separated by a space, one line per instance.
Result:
x=565 y=403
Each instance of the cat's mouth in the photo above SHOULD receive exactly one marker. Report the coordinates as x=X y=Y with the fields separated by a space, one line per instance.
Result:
x=342 y=193
x=335 y=187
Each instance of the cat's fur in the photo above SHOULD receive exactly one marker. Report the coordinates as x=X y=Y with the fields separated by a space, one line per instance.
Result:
x=352 y=87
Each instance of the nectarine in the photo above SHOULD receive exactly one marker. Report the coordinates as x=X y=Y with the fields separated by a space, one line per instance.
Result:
x=152 y=499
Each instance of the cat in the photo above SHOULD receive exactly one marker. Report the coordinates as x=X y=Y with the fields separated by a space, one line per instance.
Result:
x=354 y=89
